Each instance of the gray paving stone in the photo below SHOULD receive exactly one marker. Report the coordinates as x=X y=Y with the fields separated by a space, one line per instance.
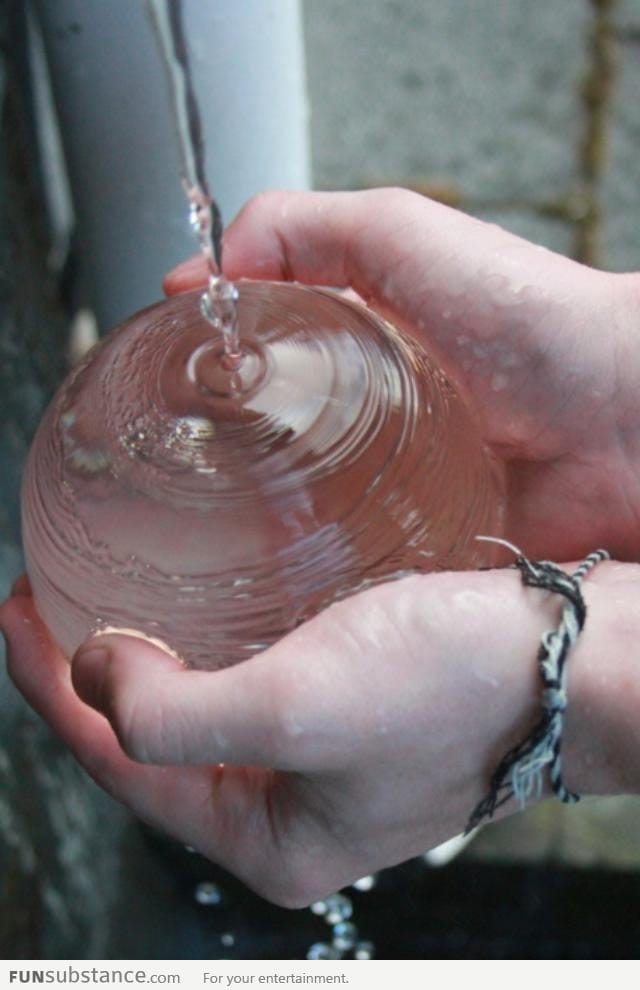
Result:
x=621 y=185
x=485 y=95
x=626 y=14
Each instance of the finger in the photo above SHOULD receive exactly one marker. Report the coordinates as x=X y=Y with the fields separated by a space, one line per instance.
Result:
x=283 y=709
x=201 y=806
x=164 y=713
x=189 y=274
x=242 y=818
x=497 y=313
x=307 y=237
x=42 y=675
x=388 y=244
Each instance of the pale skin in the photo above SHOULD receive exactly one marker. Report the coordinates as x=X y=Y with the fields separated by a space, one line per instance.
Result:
x=368 y=734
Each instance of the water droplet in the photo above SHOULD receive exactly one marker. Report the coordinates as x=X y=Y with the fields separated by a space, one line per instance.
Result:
x=345 y=935
x=320 y=950
x=319 y=907
x=228 y=939
x=339 y=908
x=364 y=950
x=208 y=894
x=365 y=883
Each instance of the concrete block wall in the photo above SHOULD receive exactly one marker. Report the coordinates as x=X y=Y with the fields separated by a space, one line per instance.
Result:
x=621 y=173
x=527 y=114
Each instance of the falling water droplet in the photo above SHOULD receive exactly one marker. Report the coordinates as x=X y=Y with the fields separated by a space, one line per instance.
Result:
x=321 y=950
x=339 y=908
x=345 y=935
x=364 y=950
x=208 y=894
x=365 y=884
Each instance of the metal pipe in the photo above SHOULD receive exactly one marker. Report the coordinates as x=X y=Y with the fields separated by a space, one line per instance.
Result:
x=119 y=140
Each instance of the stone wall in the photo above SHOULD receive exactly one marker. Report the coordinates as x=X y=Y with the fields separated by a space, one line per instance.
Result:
x=523 y=113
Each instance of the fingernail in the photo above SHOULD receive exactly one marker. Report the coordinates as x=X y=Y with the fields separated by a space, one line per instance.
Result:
x=88 y=673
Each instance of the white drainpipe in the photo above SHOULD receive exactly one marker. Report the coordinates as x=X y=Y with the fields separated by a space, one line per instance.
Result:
x=120 y=147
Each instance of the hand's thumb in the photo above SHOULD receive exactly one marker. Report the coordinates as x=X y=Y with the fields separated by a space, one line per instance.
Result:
x=163 y=713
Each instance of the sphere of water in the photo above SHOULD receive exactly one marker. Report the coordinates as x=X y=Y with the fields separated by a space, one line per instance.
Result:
x=213 y=504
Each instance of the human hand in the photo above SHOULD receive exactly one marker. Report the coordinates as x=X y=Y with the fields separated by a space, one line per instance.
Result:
x=543 y=348
x=368 y=734
x=363 y=738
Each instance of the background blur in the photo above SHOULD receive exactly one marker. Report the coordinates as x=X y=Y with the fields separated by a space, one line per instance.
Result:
x=525 y=114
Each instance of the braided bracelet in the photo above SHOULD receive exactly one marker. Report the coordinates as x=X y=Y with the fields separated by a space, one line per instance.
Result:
x=519 y=773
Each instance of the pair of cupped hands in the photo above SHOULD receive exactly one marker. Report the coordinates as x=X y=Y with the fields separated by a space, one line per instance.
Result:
x=368 y=734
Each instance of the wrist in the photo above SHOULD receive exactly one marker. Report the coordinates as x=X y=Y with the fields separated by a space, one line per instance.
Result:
x=601 y=745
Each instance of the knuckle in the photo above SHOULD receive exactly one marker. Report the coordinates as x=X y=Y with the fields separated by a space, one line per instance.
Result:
x=262 y=204
x=400 y=197
x=131 y=716
x=149 y=723
x=127 y=727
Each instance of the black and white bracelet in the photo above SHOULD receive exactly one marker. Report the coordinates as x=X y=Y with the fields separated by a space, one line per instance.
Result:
x=519 y=773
